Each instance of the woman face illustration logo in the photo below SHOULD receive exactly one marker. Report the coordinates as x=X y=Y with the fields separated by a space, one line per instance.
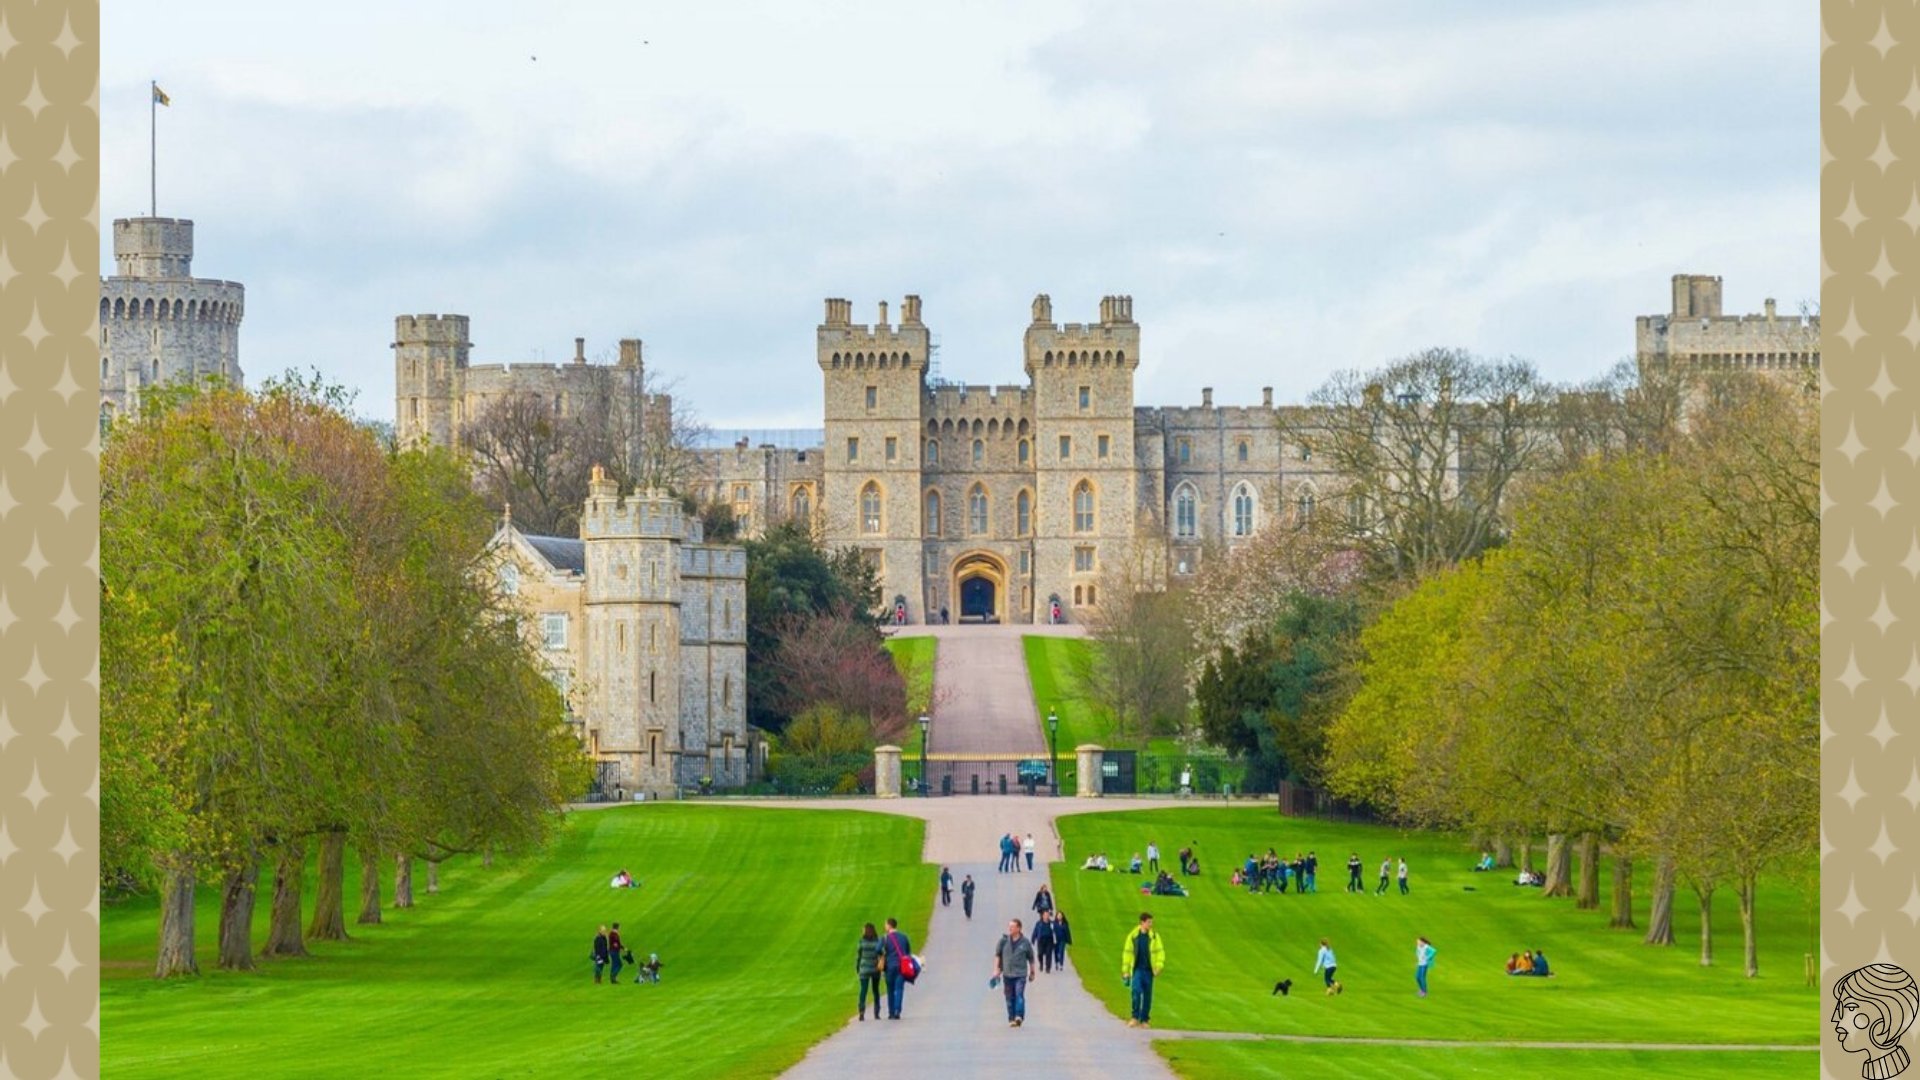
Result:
x=1854 y=1022
x=1872 y=1008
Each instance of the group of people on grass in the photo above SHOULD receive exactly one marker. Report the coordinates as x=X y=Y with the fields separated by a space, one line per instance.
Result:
x=610 y=951
x=1271 y=873
x=1532 y=962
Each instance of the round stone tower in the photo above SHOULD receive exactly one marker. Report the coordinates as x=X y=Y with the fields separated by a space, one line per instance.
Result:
x=159 y=323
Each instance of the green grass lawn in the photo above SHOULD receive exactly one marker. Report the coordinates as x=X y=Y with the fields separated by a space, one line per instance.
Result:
x=1226 y=948
x=1237 y=1060
x=914 y=657
x=754 y=914
x=1050 y=667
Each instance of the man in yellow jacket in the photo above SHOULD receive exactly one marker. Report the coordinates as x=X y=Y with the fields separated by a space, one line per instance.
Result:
x=1141 y=959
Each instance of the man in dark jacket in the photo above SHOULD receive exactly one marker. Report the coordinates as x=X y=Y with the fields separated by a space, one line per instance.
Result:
x=966 y=895
x=895 y=948
x=1012 y=964
x=613 y=952
x=599 y=954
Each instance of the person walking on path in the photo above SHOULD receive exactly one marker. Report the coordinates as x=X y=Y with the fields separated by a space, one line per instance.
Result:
x=613 y=952
x=1043 y=900
x=1422 y=960
x=1403 y=875
x=897 y=949
x=1043 y=941
x=946 y=887
x=1028 y=848
x=599 y=954
x=1153 y=857
x=1006 y=851
x=1386 y=871
x=1141 y=958
x=1062 y=937
x=1353 y=873
x=1325 y=962
x=966 y=895
x=866 y=964
x=1012 y=965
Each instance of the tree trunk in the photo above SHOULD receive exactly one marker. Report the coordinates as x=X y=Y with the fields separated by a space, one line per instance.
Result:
x=1588 y=896
x=176 y=923
x=1751 y=940
x=369 y=887
x=1559 y=878
x=1503 y=854
x=236 y=917
x=1622 y=893
x=1660 y=919
x=283 y=925
x=1706 y=926
x=1526 y=855
x=402 y=881
x=330 y=898
x=433 y=876
x=486 y=858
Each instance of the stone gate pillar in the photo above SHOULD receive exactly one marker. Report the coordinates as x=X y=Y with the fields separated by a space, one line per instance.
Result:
x=886 y=772
x=1087 y=779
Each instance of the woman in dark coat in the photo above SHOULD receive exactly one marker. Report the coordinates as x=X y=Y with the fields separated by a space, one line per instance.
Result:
x=866 y=964
x=1062 y=937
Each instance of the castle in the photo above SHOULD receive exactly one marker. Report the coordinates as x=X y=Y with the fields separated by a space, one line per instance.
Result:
x=159 y=323
x=643 y=628
x=1011 y=503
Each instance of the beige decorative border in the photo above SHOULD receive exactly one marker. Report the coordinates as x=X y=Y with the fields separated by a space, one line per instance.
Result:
x=49 y=706
x=49 y=531
x=1870 y=480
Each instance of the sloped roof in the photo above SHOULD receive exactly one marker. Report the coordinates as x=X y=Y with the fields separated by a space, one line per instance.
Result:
x=560 y=552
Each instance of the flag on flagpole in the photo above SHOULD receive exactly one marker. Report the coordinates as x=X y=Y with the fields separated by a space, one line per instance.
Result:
x=160 y=96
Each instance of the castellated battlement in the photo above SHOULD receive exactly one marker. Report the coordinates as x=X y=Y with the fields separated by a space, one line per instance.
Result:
x=176 y=300
x=843 y=343
x=1696 y=334
x=649 y=515
x=952 y=398
x=431 y=330
x=153 y=247
x=1114 y=340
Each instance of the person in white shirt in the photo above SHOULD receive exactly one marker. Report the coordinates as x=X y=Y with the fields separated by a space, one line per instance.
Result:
x=1027 y=846
x=1325 y=962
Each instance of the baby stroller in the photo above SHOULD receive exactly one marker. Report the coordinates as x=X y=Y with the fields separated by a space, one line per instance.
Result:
x=648 y=972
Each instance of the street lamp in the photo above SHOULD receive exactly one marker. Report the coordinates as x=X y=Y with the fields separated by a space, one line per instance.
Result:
x=1053 y=747
x=925 y=723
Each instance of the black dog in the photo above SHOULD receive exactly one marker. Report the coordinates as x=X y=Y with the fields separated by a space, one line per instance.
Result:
x=1282 y=987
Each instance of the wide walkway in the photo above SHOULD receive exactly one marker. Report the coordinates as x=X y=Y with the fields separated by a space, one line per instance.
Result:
x=953 y=1024
x=983 y=703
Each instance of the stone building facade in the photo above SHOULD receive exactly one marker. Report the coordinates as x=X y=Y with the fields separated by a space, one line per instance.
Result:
x=159 y=323
x=642 y=626
x=997 y=501
x=1696 y=337
x=437 y=391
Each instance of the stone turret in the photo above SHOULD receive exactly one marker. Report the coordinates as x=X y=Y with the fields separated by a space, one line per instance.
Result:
x=159 y=323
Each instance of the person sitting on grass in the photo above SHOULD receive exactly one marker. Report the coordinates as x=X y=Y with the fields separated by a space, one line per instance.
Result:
x=1095 y=862
x=650 y=973
x=623 y=880
x=1528 y=877
x=1164 y=885
x=1485 y=863
x=1513 y=964
x=1540 y=964
x=1134 y=864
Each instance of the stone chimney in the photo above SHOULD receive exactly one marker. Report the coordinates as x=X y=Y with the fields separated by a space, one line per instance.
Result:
x=910 y=311
x=1769 y=310
x=1206 y=397
x=1266 y=396
x=883 y=315
x=629 y=352
x=579 y=350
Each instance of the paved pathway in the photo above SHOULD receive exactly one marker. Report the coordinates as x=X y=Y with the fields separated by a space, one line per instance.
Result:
x=953 y=1023
x=983 y=701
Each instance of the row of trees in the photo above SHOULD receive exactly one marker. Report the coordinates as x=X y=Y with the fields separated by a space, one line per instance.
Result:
x=1636 y=668
x=297 y=653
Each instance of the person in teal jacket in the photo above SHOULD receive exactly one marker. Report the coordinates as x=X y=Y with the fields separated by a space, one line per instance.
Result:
x=1422 y=960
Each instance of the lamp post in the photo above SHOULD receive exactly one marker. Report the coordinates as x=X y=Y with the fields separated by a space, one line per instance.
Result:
x=1053 y=749
x=926 y=789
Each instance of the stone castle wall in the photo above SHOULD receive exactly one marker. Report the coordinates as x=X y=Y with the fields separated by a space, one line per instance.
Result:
x=159 y=323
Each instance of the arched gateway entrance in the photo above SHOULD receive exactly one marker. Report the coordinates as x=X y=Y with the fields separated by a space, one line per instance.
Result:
x=980 y=584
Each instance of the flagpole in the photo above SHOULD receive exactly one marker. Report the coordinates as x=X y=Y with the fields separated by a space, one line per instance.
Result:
x=153 y=152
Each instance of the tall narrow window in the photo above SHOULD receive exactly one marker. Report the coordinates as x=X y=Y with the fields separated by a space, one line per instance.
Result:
x=873 y=397
x=802 y=504
x=1243 y=506
x=1184 y=516
x=1104 y=444
x=653 y=749
x=1024 y=451
x=977 y=510
x=1083 y=507
x=870 y=508
x=1066 y=447
x=1083 y=560
x=653 y=686
x=933 y=452
x=893 y=448
x=1086 y=398
x=509 y=579
x=1303 y=507
x=979 y=451
x=853 y=449
x=933 y=513
x=554 y=630
x=1183 y=449
x=1023 y=513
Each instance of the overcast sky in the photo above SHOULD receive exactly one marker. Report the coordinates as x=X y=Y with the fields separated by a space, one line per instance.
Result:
x=1284 y=188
